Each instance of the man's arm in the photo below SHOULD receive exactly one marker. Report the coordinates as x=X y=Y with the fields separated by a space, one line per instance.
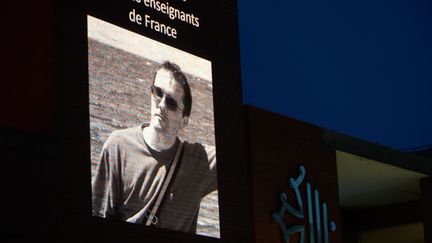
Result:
x=105 y=184
x=212 y=175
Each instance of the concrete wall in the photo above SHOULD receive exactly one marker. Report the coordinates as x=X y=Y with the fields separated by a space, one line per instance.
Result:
x=278 y=147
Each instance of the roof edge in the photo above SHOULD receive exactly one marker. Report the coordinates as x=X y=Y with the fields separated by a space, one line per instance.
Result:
x=377 y=152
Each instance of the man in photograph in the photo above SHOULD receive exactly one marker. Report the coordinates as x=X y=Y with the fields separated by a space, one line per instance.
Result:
x=146 y=174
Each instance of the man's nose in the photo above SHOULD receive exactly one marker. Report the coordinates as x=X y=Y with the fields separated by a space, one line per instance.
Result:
x=162 y=103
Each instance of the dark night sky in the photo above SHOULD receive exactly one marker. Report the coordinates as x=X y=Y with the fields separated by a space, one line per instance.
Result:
x=363 y=68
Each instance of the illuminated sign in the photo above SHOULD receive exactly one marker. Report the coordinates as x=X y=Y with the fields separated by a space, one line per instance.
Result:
x=153 y=153
x=317 y=228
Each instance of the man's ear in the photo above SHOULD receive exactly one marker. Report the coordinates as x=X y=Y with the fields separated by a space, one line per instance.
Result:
x=184 y=121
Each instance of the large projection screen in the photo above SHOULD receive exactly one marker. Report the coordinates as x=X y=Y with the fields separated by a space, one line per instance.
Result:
x=140 y=172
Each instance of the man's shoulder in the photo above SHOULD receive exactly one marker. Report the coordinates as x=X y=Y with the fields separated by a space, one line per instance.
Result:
x=126 y=132
x=200 y=157
x=199 y=149
x=197 y=146
x=126 y=135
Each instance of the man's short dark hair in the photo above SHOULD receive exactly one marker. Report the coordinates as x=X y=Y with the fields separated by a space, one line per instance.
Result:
x=180 y=77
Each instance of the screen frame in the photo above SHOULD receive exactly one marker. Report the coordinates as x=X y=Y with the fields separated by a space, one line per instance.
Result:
x=217 y=40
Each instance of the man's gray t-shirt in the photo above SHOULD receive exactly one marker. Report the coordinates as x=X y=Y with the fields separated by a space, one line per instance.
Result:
x=130 y=175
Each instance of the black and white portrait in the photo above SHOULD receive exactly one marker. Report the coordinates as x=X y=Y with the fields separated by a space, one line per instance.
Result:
x=153 y=154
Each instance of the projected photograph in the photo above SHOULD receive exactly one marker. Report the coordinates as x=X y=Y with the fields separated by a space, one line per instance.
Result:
x=153 y=154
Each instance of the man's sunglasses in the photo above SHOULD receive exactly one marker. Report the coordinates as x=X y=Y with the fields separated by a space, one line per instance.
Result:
x=170 y=102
